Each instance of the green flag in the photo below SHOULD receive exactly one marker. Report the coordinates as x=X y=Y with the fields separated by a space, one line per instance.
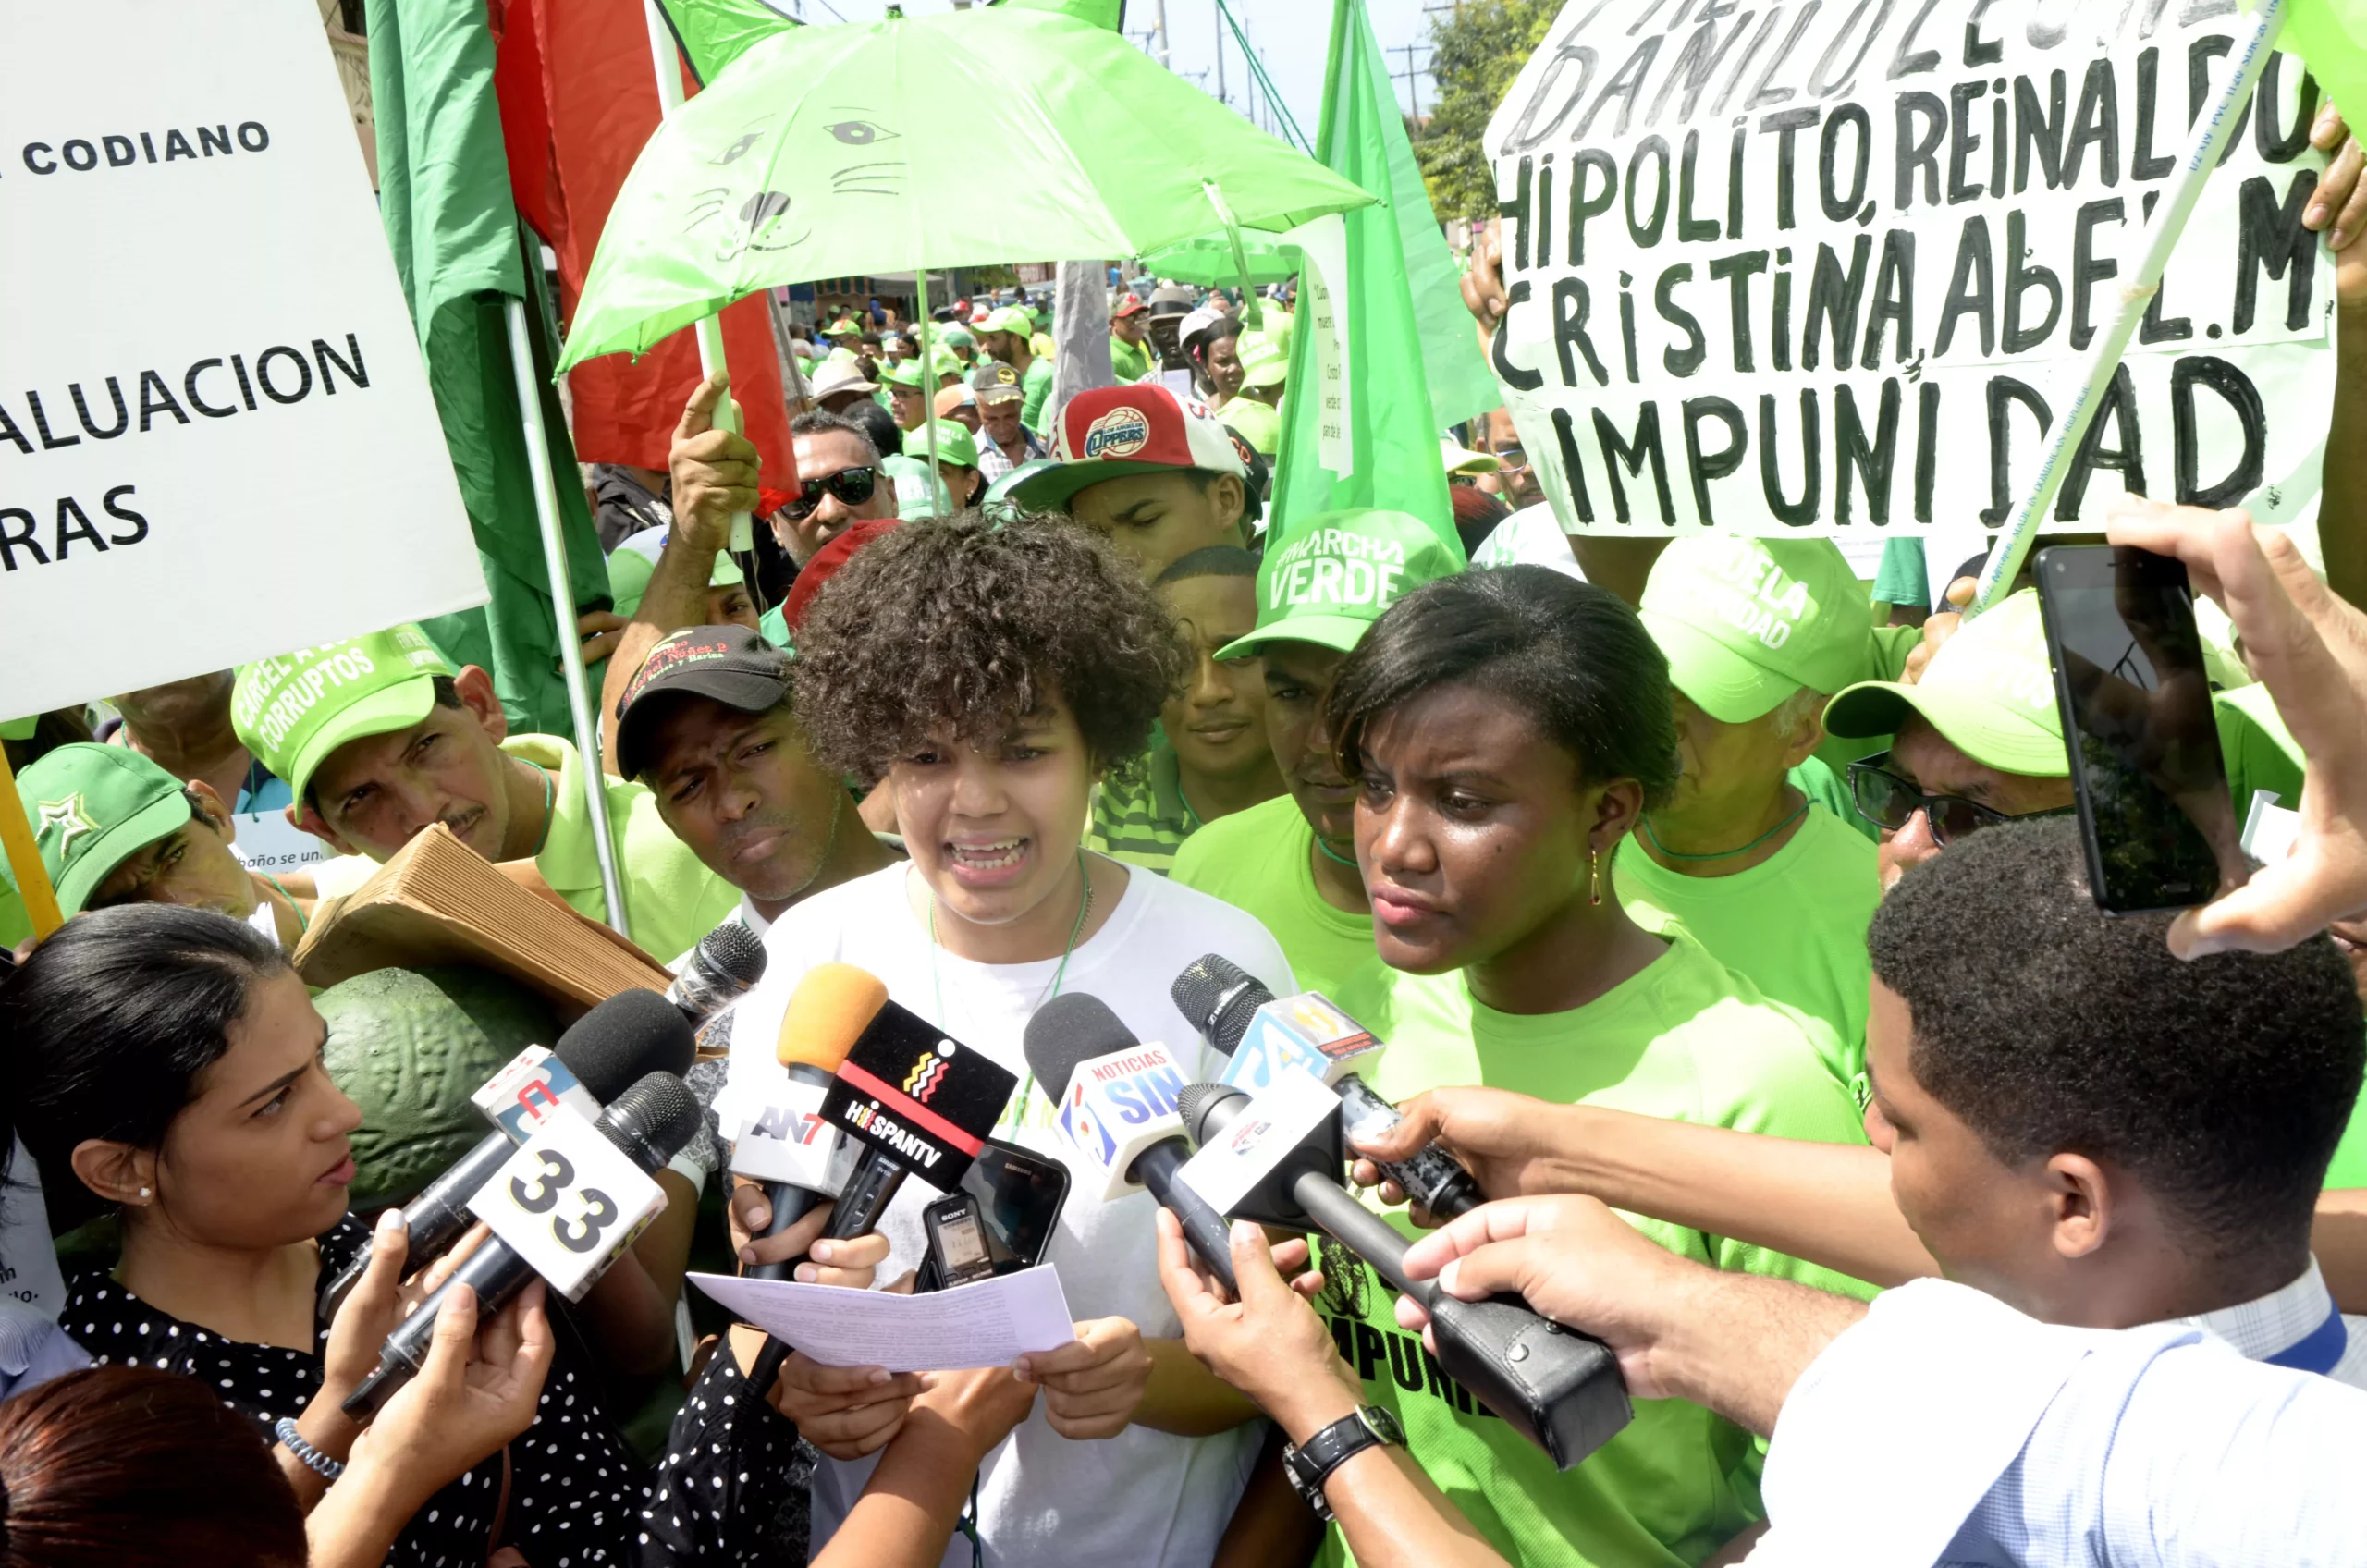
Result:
x=1381 y=449
x=461 y=253
x=2331 y=37
x=713 y=33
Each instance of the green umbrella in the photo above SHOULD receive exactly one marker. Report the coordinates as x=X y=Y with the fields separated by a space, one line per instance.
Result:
x=1206 y=259
x=955 y=139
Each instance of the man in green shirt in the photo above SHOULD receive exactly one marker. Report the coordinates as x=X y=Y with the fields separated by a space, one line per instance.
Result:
x=1129 y=325
x=909 y=389
x=380 y=739
x=1292 y=862
x=1006 y=334
x=1758 y=634
x=1253 y=412
x=1210 y=758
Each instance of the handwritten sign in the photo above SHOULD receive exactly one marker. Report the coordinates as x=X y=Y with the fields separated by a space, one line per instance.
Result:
x=1830 y=269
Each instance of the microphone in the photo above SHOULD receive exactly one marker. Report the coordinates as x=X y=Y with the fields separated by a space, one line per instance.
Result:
x=719 y=972
x=607 y=1049
x=1265 y=1037
x=1272 y=1160
x=916 y=1101
x=784 y=1142
x=1117 y=1110
x=649 y=1124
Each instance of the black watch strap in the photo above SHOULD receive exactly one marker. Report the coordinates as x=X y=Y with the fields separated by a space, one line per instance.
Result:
x=1311 y=1464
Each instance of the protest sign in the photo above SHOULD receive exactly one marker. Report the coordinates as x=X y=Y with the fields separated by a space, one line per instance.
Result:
x=1829 y=269
x=216 y=440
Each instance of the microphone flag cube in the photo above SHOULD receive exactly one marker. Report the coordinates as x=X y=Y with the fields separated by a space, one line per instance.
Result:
x=924 y=1100
x=524 y=1094
x=1304 y=1033
x=1116 y=1107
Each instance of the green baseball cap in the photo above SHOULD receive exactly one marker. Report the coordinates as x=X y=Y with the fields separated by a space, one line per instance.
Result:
x=841 y=327
x=1011 y=318
x=1263 y=362
x=1989 y=692
x=905 y=373
x=93 y=807
x=633 y=561
x=1337 y=572
x=1747 y=623
x=954 y=443
x=294 y=710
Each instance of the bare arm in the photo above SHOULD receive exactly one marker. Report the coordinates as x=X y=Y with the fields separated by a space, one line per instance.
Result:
x=714 y=475
x=1270 y=1527
x=2339 y=209
x=907 y=1512
x=1828 y=1204
x=2339 y=1238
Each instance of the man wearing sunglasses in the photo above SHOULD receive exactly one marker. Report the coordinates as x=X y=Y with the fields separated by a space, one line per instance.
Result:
x=838 y=485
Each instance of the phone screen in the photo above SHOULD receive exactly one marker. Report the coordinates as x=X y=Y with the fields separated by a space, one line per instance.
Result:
x=1019 y=1195
x=2159 y=825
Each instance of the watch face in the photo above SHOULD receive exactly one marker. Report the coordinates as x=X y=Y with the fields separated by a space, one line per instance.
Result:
x=1383 y=1424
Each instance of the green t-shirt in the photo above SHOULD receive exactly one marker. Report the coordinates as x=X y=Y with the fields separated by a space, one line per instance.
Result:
x=2261 y=753
x=1128 y=362
x=1901 y=579
x=1687 y=1039
x=1034 y=386
x=1793 y=925
x=1143 y=820
x=1828 y=787
x=1257 y=860
x=773 y=626
x=1255 y=422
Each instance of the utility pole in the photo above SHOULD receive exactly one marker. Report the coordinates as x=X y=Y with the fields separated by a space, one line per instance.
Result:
x=1413 y=78
x=1159 y=30
x=1215 y=24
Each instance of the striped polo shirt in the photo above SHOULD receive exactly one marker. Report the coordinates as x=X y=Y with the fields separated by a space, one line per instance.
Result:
x=1142 y=820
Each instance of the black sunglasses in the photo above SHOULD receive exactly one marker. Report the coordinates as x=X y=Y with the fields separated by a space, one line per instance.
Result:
x=1890 y=802
x=853 y=486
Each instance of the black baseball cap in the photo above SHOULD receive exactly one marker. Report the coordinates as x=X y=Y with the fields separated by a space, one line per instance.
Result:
x=731 y=664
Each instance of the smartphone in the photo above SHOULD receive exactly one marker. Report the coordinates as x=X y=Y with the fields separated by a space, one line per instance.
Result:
x=2155 y=817
x=1019 y=1196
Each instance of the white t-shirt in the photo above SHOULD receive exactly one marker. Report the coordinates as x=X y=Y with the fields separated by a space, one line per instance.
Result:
x=1143 y=1498
x=1528 y=537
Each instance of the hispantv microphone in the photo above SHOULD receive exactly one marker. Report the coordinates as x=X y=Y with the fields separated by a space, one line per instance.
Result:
x=1265 y=1037
x=1274 y=1161
x=1117 y=1108
x=918 y=1102
x=720 y=970
x=649 y=1122
x=608 y=1049
x=784 y=1141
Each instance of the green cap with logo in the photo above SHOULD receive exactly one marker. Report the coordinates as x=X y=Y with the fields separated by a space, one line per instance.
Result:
x=905 y=373
x=1989 y=692
x=1337 y=572
x=294 y=710
x=93 y=807
x=1264 y=363
x=1747 y=623
x=955 y=445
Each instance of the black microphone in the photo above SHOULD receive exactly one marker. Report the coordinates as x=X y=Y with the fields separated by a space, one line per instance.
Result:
x=1075 y=1028
x=1559 y=1387
x=649 y=1122
x=920 y=1102
x=608 y=1049
x=720 y=971
x=1223 y=1001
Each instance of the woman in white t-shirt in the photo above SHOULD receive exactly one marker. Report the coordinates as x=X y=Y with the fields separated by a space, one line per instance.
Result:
x=991 y=674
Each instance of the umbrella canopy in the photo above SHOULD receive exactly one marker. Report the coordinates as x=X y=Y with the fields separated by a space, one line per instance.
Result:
x=1207 y=260
x=963 y=139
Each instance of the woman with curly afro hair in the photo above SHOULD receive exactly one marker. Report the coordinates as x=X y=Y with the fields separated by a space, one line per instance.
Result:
x=989 y=673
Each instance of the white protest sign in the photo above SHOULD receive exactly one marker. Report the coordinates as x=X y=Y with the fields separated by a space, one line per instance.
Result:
x=216 y=423
x=1830 y=269
x=569 y=1202
x=1323 y=280
x=268 y=842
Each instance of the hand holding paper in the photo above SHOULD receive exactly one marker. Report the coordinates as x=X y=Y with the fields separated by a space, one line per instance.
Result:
x=992 y=1323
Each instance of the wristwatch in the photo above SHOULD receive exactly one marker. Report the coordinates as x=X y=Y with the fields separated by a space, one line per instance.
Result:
x=1308 y=1465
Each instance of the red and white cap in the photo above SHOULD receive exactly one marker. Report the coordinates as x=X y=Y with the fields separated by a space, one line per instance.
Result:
x=1117 y=431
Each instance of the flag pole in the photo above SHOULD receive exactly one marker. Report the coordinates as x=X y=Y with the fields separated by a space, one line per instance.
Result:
x=708 y=330
x=928 y=373
x=570 y=648
x=24 y=857
x=2204 y=145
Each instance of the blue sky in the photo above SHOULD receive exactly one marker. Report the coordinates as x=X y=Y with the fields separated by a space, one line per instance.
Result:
x=1291 y=36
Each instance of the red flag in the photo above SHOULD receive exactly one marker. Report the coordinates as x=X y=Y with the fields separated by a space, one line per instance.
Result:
x=578 y=102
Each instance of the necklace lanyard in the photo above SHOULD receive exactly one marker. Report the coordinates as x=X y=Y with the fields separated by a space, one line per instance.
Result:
x=1646 y=823
x=937 y=981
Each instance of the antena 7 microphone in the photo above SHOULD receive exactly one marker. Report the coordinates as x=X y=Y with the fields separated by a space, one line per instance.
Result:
x=649 y=1124
x=917 y=1101
x=728 y=961
x=608 y=1049
x=1265 y=1037
x=1272 y=1160
x=785 y=1143
x=1117 y=1110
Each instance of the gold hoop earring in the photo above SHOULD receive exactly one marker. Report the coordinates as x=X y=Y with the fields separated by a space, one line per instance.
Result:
x=1594 y=877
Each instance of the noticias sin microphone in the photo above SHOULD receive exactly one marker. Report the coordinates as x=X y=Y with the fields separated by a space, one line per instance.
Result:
x=1274 y=1161
x=784 y=1142
x=607 y=1050
x=1265 y=1037
x=649 y=1124
x=720 y=970
x=1117 y=1108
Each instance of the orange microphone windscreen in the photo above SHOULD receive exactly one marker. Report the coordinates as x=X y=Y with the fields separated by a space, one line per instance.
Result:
x=828 y=1012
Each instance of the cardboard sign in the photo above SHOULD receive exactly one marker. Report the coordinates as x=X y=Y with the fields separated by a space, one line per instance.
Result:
x=215 y=407
x=1831 y=270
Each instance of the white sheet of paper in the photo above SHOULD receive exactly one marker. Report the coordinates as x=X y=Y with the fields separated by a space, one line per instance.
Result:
x=991 y=1323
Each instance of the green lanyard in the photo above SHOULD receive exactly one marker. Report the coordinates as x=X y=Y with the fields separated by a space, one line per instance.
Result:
x=937 y=981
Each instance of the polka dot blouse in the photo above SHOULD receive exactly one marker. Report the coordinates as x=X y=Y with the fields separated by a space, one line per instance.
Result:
x=574 y=1488
x=732 y=1491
